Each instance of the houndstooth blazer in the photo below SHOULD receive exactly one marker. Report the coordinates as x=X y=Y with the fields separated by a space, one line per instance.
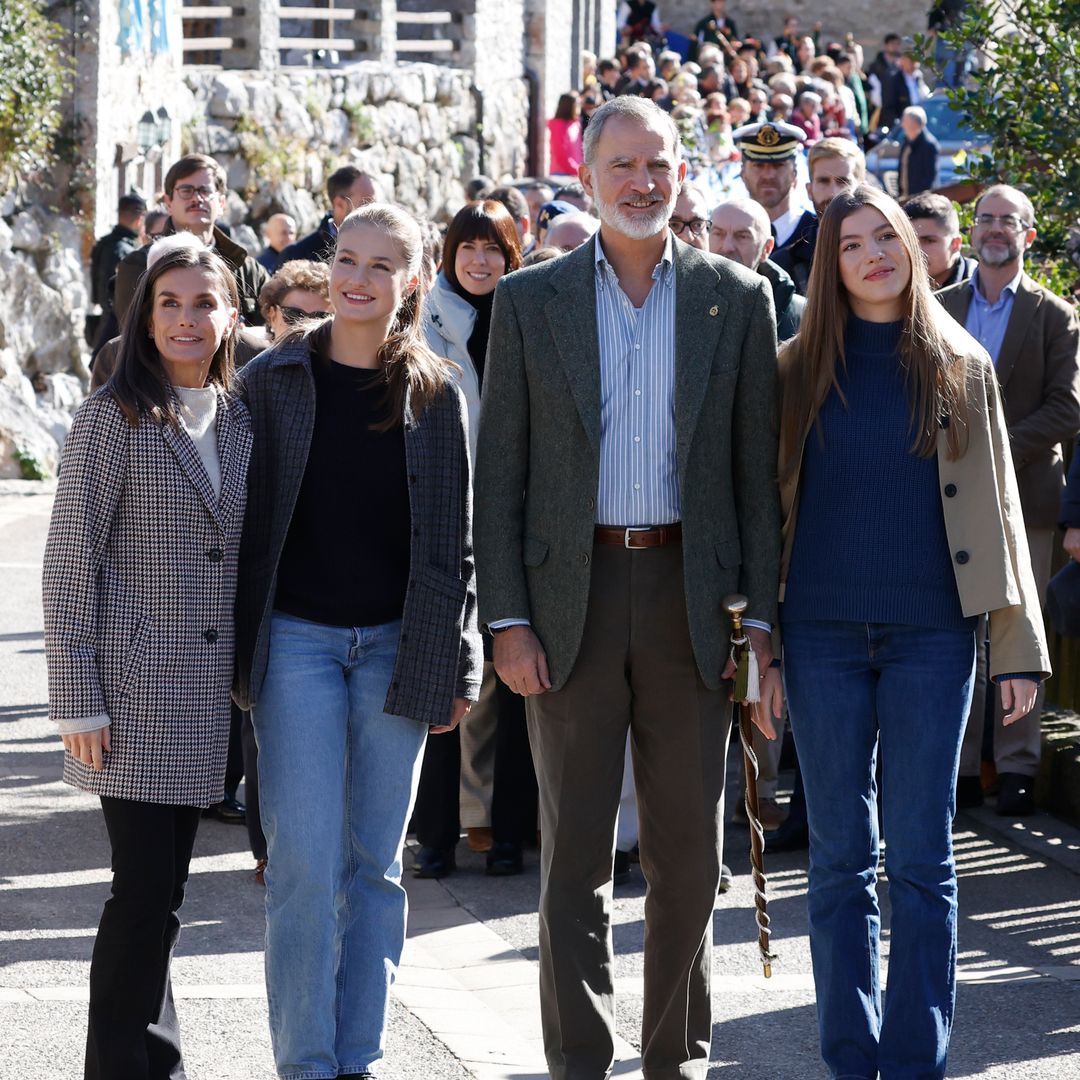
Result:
x=439 y=655
x=139 y=586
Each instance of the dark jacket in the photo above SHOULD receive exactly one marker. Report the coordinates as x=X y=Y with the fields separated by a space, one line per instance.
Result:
x=538 y=459
x=439 y=656
x=317 y=246
x=962 y=270
x=796 y=257
x=1039 y=373
x=788 y=303
x=270 y=260
x=104 y=257
x=250 y=276
x=918 y=164
x=1069 y=517
x=895 y=97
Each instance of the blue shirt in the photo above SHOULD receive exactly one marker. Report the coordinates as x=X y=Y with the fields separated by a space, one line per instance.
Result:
x=639 y=483
x=987 y=322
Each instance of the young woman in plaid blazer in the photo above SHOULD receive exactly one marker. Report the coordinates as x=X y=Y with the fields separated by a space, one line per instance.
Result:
x=356 y=633
x=139 y=586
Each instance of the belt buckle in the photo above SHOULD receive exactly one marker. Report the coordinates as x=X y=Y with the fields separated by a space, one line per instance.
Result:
x=633 y=529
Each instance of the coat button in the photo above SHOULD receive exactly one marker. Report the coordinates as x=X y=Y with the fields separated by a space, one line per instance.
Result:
x=950 y=490
x=215 y=554
x=412 y=478
x=211 y=636
x=962 y=557
x=592 y=504
x=584 y=559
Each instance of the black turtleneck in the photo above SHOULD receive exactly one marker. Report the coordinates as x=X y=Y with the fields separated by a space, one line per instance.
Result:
x=478 y=339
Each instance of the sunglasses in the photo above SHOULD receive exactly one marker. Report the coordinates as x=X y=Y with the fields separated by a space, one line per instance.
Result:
x=293 y=315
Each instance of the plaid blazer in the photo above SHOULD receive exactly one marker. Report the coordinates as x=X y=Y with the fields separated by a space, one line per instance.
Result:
x=439 y=655
x=139 y=587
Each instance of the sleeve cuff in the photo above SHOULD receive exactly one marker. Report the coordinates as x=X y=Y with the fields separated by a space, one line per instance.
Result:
x=503 y=624
x=79 y=724
x=757 y=624
x=1031 y=676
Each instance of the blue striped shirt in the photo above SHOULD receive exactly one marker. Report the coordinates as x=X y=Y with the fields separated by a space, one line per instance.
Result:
x=639 y=482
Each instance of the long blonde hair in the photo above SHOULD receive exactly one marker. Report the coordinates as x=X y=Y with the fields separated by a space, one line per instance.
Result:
x=407 y=362
x=931 y=353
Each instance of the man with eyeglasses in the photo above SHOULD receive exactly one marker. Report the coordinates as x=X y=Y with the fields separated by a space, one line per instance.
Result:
x=689 y=220
x=195 y=199
x=1033 y=338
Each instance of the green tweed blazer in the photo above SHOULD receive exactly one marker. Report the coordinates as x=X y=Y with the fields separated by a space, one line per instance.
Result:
x=538 y=458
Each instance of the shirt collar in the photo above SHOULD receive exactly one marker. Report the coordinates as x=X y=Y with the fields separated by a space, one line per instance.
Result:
x=1011 y=287
x=662 y=270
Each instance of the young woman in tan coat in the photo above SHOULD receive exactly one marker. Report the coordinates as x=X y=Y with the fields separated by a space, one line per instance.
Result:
x=902 y=526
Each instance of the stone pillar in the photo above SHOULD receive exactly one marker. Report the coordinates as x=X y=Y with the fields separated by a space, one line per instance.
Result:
x=384 y=34
x=259 y=30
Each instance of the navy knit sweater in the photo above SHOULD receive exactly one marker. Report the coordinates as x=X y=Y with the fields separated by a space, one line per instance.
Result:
x=870 y=542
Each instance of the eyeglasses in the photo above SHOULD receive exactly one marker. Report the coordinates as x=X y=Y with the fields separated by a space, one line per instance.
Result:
x=696 y=226
x=1009 y=222
x=294 y=315
x=189 y=191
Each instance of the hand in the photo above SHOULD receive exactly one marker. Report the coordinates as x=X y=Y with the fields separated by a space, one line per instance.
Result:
x=458 y=713
x=1017 y=699
x=1071 y=543
x=771 y=704
x=520 y=661
x=89 y=747
x=761 y=643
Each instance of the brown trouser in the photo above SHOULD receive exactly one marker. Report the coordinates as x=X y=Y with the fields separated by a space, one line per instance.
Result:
x=636 y=671
x=1018 y=747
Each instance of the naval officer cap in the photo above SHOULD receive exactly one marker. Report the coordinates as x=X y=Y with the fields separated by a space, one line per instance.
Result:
x=771 y=141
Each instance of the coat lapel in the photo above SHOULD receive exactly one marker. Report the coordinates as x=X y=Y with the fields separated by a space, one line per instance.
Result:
x=571 y=316
x=179 y=442
x=700 y=315
x=234 y=449
x=1025 y=304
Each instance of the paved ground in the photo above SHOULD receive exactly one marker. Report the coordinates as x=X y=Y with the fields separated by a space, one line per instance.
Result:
x=466 y=1001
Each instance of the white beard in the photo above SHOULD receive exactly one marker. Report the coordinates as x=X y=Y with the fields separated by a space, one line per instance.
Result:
x=636 y=226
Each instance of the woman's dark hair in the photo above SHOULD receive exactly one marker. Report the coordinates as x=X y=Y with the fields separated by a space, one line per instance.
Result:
x=139 y=383
x=487 y=220
x=408 y=364
x=568 y=106
x=931 y=352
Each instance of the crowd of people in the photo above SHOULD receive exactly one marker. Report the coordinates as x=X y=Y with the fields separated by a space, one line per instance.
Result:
x=425 y=530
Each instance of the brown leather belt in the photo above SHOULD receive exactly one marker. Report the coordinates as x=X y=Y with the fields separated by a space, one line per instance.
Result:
x=649 y=537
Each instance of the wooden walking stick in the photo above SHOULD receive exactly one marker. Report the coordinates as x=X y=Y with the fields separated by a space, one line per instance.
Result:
x=746 y=696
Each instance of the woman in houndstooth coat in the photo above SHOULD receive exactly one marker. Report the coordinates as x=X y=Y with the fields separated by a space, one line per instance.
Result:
x=139 y=586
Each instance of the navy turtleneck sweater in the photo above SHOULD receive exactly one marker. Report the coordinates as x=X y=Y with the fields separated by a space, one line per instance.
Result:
x=870 y=542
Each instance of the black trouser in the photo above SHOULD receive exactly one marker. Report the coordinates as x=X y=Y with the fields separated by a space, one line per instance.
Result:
x=256 y=839
x=133 y=1031
x=513 y=801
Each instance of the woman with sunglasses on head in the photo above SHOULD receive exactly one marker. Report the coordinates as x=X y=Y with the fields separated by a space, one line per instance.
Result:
x=139 y=580
x=490 y=760
x=356 y=632
x=902 y=525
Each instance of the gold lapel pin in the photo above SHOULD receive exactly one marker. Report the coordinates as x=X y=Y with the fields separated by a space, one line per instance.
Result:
x=714 y=310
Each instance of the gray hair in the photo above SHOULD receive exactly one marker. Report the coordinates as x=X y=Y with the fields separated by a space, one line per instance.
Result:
x=645 y=112
x=916 y=112
x=1006 y=190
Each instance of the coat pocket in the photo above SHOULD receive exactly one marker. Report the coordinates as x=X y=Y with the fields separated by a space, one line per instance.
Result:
x=729 y=553
x=533 y=551
x=136 y=653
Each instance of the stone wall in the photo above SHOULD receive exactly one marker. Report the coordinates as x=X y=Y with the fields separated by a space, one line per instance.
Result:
x=868 y=20
x=43 y=300
x=412 y=125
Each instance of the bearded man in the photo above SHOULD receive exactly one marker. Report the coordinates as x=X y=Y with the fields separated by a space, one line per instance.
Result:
x=625 y=483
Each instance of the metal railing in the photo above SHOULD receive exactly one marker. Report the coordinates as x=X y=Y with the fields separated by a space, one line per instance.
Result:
x=435 y=36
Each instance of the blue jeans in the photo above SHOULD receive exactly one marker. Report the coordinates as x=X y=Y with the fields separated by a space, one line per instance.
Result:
x=853 y=687
x=337 y=781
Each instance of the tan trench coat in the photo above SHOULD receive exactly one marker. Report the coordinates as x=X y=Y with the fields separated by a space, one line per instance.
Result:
x=985 y=527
